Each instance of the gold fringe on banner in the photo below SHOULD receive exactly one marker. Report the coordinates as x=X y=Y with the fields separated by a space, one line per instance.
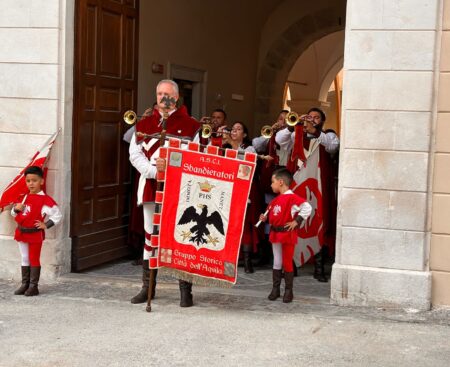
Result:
x=195 y=279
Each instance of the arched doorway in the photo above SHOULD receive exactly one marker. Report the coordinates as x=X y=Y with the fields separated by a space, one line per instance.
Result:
x=287 y=35
x=314 y=79
x=302 y=51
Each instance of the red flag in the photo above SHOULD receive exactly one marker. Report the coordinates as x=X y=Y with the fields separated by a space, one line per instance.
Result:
x=309 y=186
x=298 y=153
x=202 y=215
x=18 y=187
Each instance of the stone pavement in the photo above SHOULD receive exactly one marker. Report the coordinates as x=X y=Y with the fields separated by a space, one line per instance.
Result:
x=87 y=320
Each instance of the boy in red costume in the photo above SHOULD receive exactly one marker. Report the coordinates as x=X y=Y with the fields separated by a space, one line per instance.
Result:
x=29 y=215
x=285 y=213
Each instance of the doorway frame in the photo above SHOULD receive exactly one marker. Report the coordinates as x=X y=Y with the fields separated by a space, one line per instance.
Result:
x=199 y=79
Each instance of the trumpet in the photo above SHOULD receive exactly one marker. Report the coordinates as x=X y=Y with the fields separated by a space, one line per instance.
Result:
x=292 y=118
x=207 y=131
x=267 y=131
x=130 y=117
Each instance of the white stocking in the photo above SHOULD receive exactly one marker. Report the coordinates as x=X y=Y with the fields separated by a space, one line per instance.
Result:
x=149 y=210
x=24 y=252
x=277 y=256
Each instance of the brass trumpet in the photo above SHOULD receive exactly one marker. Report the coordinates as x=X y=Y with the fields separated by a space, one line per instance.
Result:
x=207 y=131
x=130 y=117
x=292 y=118
x=267 y=131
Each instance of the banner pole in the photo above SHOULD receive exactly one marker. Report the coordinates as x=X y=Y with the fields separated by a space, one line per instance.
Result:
x=159 y=187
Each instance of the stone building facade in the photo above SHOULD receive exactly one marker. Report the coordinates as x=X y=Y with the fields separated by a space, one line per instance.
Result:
x=393 y=246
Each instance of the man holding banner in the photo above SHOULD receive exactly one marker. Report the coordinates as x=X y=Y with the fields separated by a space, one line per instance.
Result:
x=314 y=166
x=144 y=151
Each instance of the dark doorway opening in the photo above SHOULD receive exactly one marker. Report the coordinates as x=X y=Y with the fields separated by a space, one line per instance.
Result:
x=185 y=87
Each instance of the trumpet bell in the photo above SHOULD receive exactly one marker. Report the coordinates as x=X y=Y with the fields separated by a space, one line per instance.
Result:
x=292 y=118
x=206 y=131
x=267 y=131
x=130 y=117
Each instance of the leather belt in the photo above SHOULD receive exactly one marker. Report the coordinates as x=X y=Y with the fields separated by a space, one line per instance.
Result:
x=279 y=229
x=29 y=229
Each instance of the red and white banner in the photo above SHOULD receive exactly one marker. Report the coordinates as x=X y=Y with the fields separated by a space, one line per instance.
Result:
x=203 y=210
x=18 y=187
x=309 y=186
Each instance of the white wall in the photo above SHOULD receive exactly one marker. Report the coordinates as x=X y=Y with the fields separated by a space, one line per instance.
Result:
x=218 y=37
x=383 y=234
x=36 y=68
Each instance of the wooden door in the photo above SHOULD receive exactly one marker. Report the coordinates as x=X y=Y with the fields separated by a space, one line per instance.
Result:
x=105 y=79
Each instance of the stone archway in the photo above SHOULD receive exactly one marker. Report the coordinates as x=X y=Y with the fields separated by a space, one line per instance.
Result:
x=278 y=57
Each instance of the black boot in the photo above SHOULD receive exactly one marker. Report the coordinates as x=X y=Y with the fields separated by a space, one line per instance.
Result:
x=248 y=266
x=276 y=277
x=154 y=284
x=35 y=274
x=185 y=294
x=142 y=296
x=25 y=281
x=288 y=289
x=319 y=266
x=265 y=253
x=295 y=268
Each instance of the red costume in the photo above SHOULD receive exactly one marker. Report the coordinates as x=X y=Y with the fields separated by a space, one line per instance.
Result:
x=179 y=124
x=144 y=151
x=37 y=207
x=283 y=209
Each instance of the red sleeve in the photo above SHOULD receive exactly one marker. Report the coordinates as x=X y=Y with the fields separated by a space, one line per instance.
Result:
x=298 y=200
x=49 y=202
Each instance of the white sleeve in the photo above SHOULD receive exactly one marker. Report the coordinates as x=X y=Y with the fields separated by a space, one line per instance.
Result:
x=250 y=149
x=304 y=210
x=330 y=141
x=284 y=139
x=140 y=161
x=53 y=213
x=260 y=144
x=129 y=134
x=196 y=138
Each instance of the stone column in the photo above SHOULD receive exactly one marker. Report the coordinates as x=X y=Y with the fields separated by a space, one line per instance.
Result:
x=388 y=105
x=440 y=228
x=36 y=68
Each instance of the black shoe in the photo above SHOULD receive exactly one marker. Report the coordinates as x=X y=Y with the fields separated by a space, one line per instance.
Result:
x=276 y=277
x=319 y=266
x=25 y=281
x=35 y=273
x=186 y=299
x=288 y=289
x=248 y=266
x=141 y=297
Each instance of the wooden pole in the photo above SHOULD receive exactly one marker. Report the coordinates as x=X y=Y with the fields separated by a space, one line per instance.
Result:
x=159 y=187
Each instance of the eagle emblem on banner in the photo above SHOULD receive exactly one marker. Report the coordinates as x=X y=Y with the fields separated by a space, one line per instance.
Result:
x=199 y=233
x=203 y=211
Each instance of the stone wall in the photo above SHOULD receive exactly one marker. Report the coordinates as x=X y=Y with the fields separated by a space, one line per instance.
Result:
x=440 y=237
x=36 y=58
x=383 y=231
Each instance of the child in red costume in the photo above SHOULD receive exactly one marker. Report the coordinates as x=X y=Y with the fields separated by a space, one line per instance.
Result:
x=29 y=215
x=285 y=213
